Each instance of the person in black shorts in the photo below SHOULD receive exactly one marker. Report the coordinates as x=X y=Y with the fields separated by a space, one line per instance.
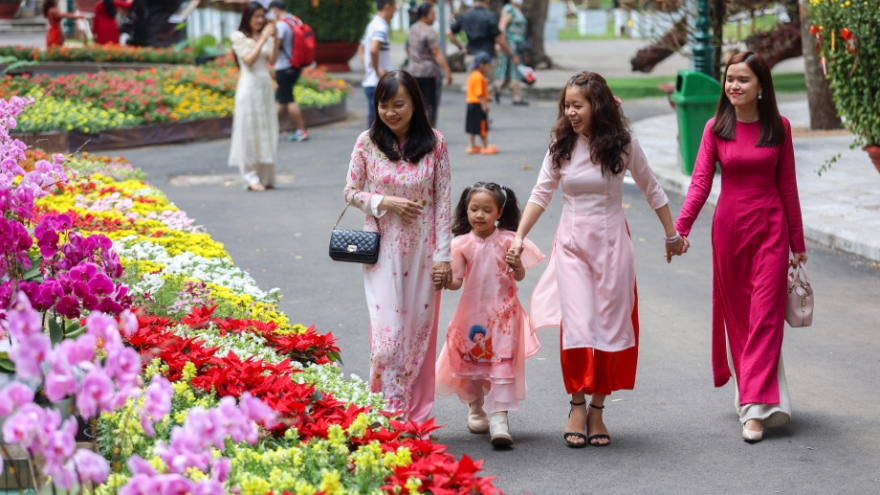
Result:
x=477 y=97
x=286 y=75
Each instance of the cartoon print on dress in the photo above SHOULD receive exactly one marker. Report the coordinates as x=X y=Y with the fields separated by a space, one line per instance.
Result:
x=481 y=351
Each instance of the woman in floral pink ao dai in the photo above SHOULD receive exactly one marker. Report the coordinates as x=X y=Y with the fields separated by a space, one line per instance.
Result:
x=489 y=336
x=399 y=174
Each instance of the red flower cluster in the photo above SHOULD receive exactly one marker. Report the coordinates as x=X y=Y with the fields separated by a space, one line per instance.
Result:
x=310 y=411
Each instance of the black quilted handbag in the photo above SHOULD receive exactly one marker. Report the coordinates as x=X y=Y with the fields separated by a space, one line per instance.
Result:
x=358 y=246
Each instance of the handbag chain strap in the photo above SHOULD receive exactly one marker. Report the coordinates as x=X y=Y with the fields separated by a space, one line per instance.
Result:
x=346 y=208
x=343 y=212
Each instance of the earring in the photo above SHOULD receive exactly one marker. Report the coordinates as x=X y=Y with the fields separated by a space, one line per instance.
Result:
x=760 y=95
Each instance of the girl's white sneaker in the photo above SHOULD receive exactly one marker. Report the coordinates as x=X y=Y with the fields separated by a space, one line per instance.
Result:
x=500 y=437
x=477 y=421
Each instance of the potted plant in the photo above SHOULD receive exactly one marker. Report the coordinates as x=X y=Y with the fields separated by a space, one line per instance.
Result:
x=848 y=41
x=339 y=26
x=8 y=8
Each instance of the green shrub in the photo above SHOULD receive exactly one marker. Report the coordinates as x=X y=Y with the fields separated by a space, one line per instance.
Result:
x=334 y=20
x=850 y=33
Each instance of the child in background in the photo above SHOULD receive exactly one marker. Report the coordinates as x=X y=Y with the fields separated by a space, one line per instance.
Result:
x=489 y=337
x=476 y=122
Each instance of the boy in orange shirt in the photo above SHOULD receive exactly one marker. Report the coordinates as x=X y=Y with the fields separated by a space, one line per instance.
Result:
x=476 y=122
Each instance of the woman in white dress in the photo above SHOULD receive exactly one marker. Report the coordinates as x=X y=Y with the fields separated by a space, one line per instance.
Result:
x=254 y=123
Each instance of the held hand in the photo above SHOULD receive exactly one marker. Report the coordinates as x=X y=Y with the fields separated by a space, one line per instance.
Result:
x=677 y=248
x=515 y=249
x=798 y=258
x=402 y=207
x=514 y=261
x=674 y=249
x=449 y=79
x=441 y=274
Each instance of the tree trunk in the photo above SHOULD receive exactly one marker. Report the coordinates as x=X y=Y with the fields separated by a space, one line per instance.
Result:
x=718 y=14
x=823 y=112
x=536 y=13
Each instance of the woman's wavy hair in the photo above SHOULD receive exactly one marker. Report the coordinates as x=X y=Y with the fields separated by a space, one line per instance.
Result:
x=249 y=10
x=609 y=132
x=772 y=128
x=420 y=139
x=505 y=199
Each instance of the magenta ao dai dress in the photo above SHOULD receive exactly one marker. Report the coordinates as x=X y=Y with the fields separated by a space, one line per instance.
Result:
x=589 y=284
x=757 y=221
x=400 y=291
x=495 y=367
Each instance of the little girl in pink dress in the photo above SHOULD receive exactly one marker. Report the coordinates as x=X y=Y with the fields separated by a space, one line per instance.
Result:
x=489 y=337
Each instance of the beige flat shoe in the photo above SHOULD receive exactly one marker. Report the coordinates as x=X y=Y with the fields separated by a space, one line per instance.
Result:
x=500 y=436
x=752 y=436
x=477 y=421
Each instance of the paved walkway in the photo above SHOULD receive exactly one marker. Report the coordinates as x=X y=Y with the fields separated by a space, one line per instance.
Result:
x=841 y=208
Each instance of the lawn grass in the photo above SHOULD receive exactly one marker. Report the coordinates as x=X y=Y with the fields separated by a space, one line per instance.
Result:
x=646 y=87
x=572 y=34
x=734 y=32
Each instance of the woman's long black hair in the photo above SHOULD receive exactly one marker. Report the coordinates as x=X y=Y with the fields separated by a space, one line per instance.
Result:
x=110 y=7
x=420 y=137
x=249 y=10
x=772 y=128
x=505 y=199
x=47 y=5
x=609 y=133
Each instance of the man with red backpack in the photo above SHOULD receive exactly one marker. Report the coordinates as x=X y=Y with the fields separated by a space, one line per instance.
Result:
x=296 y=50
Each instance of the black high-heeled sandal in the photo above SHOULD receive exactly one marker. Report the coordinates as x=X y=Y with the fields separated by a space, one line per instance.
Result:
x=597 y=437
x=574 y=433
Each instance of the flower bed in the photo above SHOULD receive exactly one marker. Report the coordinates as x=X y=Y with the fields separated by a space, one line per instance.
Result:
x=92 y=103
x=101 y=53
x=198 y=382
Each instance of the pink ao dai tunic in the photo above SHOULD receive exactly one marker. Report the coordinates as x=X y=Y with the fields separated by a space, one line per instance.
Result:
x=589 y=283
x=494 y=368
x=400 y=292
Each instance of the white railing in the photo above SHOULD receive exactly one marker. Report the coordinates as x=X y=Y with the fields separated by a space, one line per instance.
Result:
x=220 y=24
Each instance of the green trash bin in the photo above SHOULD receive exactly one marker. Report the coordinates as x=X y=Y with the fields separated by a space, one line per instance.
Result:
x=696 y=99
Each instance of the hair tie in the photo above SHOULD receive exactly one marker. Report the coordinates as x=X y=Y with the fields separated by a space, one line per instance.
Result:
x=504 y=192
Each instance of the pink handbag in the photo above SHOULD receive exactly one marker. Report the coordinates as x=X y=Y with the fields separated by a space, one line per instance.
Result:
x=799 y=300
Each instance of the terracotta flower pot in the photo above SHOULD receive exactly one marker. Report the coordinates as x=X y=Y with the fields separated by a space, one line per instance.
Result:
x=8 y=10
x=335 y=55
x=873 y=151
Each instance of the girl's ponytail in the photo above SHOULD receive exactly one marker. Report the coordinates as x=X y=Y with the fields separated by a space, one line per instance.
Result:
x=460 y=224
x=510 y=212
